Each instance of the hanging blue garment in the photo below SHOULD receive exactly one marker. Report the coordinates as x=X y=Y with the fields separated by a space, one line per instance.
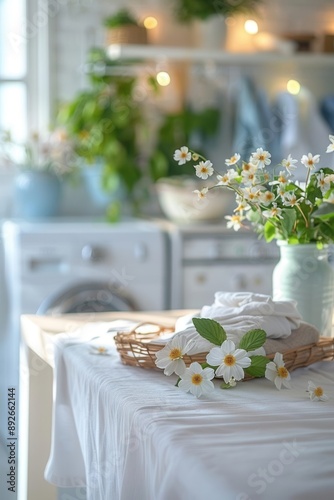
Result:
x=302 y=129
x=252 y=121
x=327 y=111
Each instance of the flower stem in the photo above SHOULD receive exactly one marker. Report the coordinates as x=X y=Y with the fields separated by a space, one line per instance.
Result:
x=303 y=215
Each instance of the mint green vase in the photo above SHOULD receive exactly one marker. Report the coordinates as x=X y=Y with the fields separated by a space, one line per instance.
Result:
x=304 y=274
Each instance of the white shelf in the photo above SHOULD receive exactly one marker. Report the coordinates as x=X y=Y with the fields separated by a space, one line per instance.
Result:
x=127 y=52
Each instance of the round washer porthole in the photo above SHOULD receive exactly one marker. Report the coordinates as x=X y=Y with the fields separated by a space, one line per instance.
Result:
x=86 y=298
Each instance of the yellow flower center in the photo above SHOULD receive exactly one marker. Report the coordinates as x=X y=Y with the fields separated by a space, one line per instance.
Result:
x=175 y=353
x=246 y=167
x=204 y=170
x=282 y=372
x=229 y=360
x=318 y=392
x=262 y=157
x=101 y=350
x=196 y=379
x=183 y=154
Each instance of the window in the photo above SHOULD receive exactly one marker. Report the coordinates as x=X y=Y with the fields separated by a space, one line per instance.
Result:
x=13 y=67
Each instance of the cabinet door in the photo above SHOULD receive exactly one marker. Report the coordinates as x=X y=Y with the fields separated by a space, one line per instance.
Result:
x=201 y=282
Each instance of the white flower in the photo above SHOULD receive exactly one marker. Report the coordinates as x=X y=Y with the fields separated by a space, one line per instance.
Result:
x=249 y=167
x=289 y=163
x=234 y=221
x=182 y=155
x=274 y=211
x=233 y=160
x=330 y=148
x=248 y=177
x=201 y=193
x=316 y=393
x=261 y=158
x=277 y=373
x=322 y=182
x=197 y=380
x=242 y=204
x=227 y=178
x=170 y=357
x=282 y=178
x=251 y=194
x=101 y=350
x=290 y=199
x=310 y=161
x=266 y=197
x=204 y=169
x=230 y=361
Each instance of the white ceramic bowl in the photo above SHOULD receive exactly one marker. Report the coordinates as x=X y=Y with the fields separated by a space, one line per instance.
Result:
x=180 y=204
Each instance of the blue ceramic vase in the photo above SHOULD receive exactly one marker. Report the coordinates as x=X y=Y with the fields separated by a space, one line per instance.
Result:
x=37 y=194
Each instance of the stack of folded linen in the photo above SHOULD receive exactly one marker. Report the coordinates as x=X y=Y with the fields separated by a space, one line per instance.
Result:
x=240 y=312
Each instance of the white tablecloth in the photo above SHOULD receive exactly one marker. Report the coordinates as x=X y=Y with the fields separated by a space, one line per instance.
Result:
x=130 y=434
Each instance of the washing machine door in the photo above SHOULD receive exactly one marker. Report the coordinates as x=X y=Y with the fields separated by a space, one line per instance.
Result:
x=84 y=298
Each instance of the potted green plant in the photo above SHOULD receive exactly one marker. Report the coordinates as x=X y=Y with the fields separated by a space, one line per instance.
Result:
x=188 y=10
x=106 y=123
x=123 y=28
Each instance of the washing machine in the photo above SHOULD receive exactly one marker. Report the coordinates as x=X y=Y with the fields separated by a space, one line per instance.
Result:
x=79 y=266
x=59 y=267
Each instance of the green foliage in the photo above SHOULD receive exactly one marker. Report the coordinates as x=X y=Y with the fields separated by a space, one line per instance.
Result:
x=122 y=18
x=179 y=128
x=104 y=122
x=187 y=10
x=253 y=340
x=210 y=330
x=258 y=366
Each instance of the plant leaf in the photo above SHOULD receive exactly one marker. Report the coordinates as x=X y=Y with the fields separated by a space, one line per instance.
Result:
x=210 y=330
x=289 y=218
x=258 y=366
x=253 y=340
x=269 y=231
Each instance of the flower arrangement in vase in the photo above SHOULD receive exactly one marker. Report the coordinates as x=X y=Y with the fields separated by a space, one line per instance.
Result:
x=40 y=162
x=300 y=215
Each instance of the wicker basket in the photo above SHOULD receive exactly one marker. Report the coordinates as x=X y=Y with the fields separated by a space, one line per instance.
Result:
x=137 y=349
x=127 y=34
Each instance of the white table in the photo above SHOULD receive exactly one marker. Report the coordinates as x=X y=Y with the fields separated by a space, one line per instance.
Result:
x=130 y=434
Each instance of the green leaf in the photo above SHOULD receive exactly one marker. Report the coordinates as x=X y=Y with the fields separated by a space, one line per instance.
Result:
x=210 y=330
x=288 y=221
x=258 y=366
x=253 y=340
x=269 y=231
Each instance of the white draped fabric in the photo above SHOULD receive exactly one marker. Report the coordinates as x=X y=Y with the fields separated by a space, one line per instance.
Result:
x=129 y=433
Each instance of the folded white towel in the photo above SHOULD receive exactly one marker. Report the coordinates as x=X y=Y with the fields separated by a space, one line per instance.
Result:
x=240 y=312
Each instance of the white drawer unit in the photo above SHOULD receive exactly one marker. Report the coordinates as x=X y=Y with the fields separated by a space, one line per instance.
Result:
x=210 y=258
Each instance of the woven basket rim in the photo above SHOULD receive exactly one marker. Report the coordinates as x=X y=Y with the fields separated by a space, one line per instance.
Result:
x=135 y=351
